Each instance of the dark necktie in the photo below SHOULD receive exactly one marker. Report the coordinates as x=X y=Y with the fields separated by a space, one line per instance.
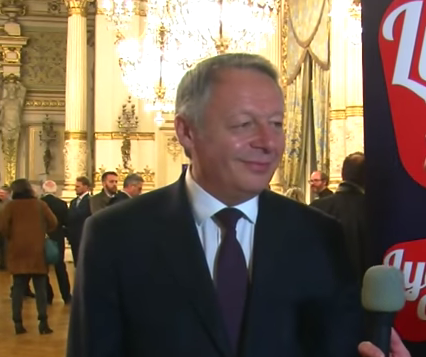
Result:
x=231 y=275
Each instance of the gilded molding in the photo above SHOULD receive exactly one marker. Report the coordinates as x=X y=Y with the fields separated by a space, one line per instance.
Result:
x=136 y=12
x=173 y=147
x=77 y=7
x=45 y=103
x=147 y=174
x=341 y=114
x=75 y=135
x=117 y=135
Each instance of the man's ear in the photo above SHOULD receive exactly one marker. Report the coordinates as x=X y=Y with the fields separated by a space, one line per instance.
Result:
x=184 y=132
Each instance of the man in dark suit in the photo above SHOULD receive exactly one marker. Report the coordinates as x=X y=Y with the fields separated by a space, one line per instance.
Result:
x=347 y=205
x=60 y=210
x=319 y=184
x=78 y=212
x=109 y=190
x=132 y=187
x=215 y=265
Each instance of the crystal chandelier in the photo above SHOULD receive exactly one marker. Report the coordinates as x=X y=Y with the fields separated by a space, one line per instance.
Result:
x=220 y=26
x=151 y=72
x=118 y=12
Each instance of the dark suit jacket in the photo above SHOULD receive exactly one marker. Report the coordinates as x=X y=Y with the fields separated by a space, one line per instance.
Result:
x=119 y=197
x=143 y=287
x=347 y=205
x=60 y=210
x=77 y=215
x=325 y=193
x=99 y=201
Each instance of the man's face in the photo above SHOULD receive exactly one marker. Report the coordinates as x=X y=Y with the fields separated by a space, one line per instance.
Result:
x=3 y=195
x=135 y=190
x=239 y=144
x=110 y=184
x=80 y=188
x=317 y=185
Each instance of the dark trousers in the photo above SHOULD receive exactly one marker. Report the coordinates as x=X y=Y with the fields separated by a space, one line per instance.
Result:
x=20 y=285
x=75 y=245
x=61 y=275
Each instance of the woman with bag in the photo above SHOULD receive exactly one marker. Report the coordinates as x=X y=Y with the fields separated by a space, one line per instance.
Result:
x=24 y=222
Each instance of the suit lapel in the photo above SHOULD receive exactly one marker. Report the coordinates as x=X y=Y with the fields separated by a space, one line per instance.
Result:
x=182 y=245
x=271 y=250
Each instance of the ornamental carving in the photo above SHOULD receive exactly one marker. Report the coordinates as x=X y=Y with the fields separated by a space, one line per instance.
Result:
x=147 y=174
x=44 y=60
x=75 y=156
x=173 y=147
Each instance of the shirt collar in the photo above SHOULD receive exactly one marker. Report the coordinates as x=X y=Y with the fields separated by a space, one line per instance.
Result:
x=82 y=195
x=204 y=205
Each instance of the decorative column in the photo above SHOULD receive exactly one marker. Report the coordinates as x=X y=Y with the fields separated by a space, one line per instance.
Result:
x=346 y=103
x=273 y=52
x=13 y=91
x=115 y=148
x=75 y=146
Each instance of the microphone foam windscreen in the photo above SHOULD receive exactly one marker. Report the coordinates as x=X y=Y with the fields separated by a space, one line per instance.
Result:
x=383 y=289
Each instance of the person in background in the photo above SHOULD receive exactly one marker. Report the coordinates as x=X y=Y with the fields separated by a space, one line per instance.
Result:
x=214 y=264
x=132 y=187
x=60 y=210
x=347 y=205
x=25 y=222
x=295 y=193
x=109 y=190
x=4 y=198
x=319 y=184
x=78 y=212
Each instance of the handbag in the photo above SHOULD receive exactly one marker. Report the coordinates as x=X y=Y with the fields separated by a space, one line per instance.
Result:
x=51 y=249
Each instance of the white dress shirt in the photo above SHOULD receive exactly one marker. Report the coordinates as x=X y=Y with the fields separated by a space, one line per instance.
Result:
x=204 y=207
x=79 y=198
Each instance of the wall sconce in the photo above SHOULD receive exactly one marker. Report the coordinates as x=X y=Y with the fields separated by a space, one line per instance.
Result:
x=47 y=136
x=127 y=122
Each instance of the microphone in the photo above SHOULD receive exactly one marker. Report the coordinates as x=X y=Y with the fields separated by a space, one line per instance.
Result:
x=382 y=296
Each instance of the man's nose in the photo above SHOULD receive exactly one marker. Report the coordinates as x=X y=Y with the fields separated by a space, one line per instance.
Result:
x=265 y=138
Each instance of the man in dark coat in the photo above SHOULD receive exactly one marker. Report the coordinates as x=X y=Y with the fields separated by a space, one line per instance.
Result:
x=78 y=212
x=109 y=190
x=347 y=205
x=132 y=187
x=215 y=265
x=319 y=184
x=60 y=210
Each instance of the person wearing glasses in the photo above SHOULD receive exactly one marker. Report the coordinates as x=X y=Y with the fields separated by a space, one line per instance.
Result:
x=319 y=184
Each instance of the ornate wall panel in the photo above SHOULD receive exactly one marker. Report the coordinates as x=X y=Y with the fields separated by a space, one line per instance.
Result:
x=35 y=165
x=44 y=60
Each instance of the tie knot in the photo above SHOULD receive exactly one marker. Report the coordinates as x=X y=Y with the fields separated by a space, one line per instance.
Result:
x=229 y=217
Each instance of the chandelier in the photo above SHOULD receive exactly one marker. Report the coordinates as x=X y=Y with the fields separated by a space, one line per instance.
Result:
x=220 y=26
x=118 y=12
x=150 y=71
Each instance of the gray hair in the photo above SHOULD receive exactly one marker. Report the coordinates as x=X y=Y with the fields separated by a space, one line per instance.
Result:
x=49 y=186
x=195 y=86
x=132 y=179
x=295 y=193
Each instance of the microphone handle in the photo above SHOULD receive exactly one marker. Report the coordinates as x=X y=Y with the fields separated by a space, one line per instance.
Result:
x=380 y=329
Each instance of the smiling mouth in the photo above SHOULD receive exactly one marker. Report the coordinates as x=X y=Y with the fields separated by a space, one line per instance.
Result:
x=257 y=166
